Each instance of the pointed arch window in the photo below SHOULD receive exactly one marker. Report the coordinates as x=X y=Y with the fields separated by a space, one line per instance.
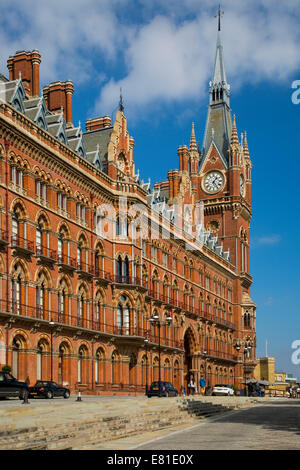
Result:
x=16 y=294
x=40 y=300
x=123 y=316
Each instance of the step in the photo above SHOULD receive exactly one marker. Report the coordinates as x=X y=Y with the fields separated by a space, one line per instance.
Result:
x=91 y=423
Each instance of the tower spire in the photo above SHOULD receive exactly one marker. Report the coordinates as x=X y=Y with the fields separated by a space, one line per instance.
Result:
x=218 y=117
x=121 y=106
x=245 y=146
x=234 y=140
x=193 y=143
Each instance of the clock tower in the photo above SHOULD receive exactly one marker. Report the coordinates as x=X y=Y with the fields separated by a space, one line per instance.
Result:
x=224 y=185
x=224 y=179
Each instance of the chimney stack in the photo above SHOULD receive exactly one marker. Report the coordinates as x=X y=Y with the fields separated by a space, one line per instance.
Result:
x=26 y=64
x=58 y=95
x=97 y=123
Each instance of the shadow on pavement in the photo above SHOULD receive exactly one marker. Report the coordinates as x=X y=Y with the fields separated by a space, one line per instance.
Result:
x=279 y=416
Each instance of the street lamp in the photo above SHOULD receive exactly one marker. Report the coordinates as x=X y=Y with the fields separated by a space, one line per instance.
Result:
x=51 y=323
x=204 y=353
x=156 y=321
x=245 y=352
x=146 y=341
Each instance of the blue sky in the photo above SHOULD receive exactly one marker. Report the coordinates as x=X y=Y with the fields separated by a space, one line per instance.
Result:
x=162 y=54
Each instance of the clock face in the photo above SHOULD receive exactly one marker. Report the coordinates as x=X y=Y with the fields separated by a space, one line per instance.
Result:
x=213 y=182
x=242 y=185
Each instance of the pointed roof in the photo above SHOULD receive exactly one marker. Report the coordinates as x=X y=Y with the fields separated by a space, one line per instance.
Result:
x=219 y=75
x=193 y=143
x=234 y=139
x=218 y=123
x=245 y=146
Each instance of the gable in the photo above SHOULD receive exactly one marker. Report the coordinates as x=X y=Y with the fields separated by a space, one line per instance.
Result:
x=213 y=160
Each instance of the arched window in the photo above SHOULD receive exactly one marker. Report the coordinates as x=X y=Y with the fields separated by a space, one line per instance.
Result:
x=42 y=360
x=119 y=267
x=18 y=289
x=99 y=313
x=126 y=269
x=82 y=365
x=155 y=369
x=115 y=368
x=99 y=366
x=40 y=299
x=64 y=368
x=63 y=301
x=167 y=371
x=19 y=358
x=99 y=260
x=144 y=372
x=132 y=370
x=123 y=316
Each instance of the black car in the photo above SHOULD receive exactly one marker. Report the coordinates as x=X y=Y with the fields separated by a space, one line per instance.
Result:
x=48 y=389
x=11 y=387
x=167 y=390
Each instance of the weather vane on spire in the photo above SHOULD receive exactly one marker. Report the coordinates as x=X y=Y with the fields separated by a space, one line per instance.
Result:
x=219 y=15
x=121 y=107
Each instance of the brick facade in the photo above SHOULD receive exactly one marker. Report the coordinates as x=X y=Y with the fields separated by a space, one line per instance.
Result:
x=72 y=253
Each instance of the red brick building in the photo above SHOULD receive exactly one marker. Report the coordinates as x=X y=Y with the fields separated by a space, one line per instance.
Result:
x=90 y=253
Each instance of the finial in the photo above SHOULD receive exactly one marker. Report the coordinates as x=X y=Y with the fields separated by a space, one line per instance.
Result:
x=234 y=140
x=219 y=15
x=121 y=107
x=193 y=143
x=245 y=145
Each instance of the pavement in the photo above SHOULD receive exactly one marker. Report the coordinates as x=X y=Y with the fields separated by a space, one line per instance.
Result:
x=260 y=423
x=274 y=425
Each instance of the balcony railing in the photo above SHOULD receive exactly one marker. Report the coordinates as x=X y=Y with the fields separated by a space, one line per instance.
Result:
x=118 y=279
x=4 y=238
x=221 y=355
x=85 y=268
x=101 y=274
x=190 y=309
x=61 y=318
x=67 y=261
x=22 y=243
x=46 y=252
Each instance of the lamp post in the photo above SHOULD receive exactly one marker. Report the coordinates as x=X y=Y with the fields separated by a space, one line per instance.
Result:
x=146 y=341
x=245 y=352
x=51 y=323
x=156 y=321
x=204 y=353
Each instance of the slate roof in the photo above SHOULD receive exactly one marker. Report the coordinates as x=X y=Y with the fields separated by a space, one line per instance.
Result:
x=98 y=139
x=218 y=123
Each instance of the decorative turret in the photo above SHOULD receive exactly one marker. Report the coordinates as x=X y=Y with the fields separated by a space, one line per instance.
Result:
x=193 y=143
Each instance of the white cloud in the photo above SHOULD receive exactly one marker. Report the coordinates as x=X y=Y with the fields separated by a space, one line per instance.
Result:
x=269 y=301
x=269 y=240
x=172 y=59
x=167 y=47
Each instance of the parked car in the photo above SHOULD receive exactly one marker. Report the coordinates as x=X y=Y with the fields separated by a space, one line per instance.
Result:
x=48 y=389
x=11 y=387
x=167 y=390
x=224 y=390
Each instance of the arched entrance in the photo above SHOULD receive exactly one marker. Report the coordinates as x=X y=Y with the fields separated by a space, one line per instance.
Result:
x=189 y=350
